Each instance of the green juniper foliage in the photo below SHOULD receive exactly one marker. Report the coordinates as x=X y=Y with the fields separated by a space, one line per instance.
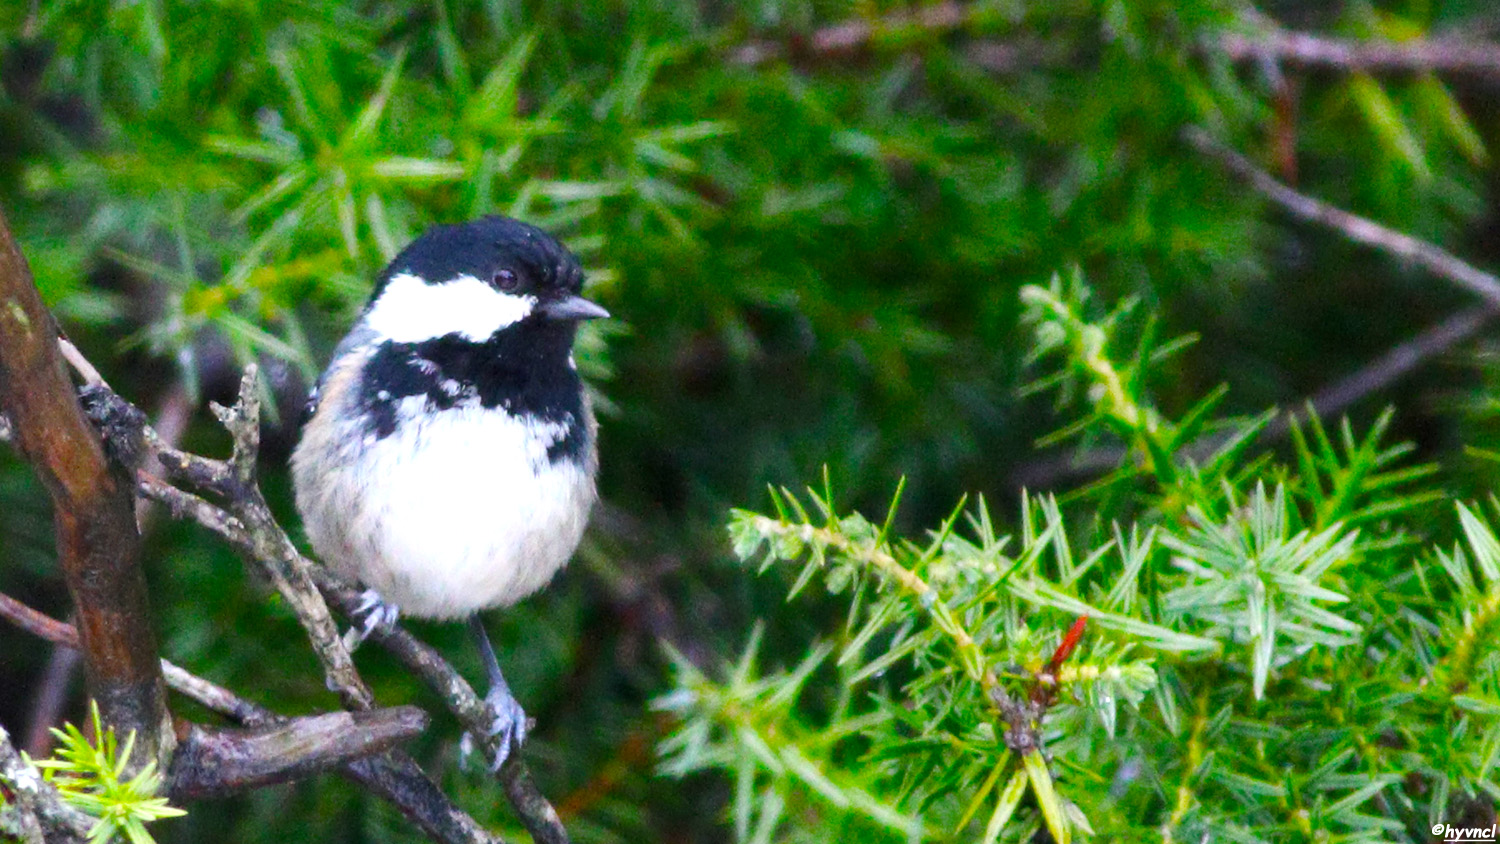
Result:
x=833 y=256
x=90 y=776
x=1266 y=656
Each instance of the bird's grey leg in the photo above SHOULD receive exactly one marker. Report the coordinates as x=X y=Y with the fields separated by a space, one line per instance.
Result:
x=510 y=719
x=373 y=613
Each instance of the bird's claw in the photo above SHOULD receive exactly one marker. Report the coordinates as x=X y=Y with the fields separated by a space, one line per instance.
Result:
x=373 y=613
x=509 y=725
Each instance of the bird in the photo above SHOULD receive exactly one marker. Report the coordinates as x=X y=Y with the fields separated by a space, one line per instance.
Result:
x=449 y=453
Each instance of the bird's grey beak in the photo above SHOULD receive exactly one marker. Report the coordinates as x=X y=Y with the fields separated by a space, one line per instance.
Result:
x=571 y=307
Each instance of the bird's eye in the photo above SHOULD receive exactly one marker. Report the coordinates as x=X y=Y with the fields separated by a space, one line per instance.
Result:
x=507 y=280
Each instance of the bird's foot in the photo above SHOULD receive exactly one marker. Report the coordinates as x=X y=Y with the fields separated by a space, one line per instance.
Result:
x=373 y=613
x=509 y=725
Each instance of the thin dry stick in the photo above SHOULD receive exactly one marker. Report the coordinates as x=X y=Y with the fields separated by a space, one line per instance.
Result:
x=393 y=776
x=1298 y=48
x=1261 y=40
x=283 y=748
x=172 y=419
x=235 y=480
x=1434 y=259
x=254 y=530
x=49 y=699
x=532 y=807
x=1407 y=356
x=97 y=541
x=1379 y=374
x=124 y=670
x=247 y=524
x=855 y=35
x=80 y=364
x=1388 y=369
x=218 y=762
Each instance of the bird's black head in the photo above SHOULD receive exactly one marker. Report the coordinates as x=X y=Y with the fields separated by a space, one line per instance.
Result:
x=482 y=313
x=514 y=256
x=492 y=255
x=477 y=279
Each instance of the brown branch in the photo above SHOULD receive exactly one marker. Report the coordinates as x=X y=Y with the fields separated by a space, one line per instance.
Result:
x=267 y=545
x=1379 y=374
x=37 y=624
x=1405 y=357
x=1434 y=259
x=214 y=763
x=393 y=776
x=1390 y=368
x=86 y=371
x=98 y=545
x=248 y=525
x=531 y=806
x=398 y=779
x=134 y=443
x=1271 y=43
x=173 y=415
x=1261 y=40
x=855 y=36
x=52 y=693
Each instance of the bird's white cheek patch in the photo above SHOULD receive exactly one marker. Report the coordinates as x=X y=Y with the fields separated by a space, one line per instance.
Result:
x=410 y=311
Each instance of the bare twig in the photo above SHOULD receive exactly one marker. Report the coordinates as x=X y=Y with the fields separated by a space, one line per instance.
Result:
x=1434 y=259
x=1406 y=356
x=247 y=524
x=1260 y=40
x=1390 y=368
x=531 y=806
x=37 y=624
x=29 y=355
x=212 y=763
x=393 y=776
x=854 y=36
x=269 y=547
x=172 y=417
x=185 y=505
x=234 y=480
x=98 y=546
x=80 y=364
x=1271 y=43
x=1379 y=374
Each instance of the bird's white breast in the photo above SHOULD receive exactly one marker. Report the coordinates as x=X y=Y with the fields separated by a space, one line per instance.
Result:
x=453 y=512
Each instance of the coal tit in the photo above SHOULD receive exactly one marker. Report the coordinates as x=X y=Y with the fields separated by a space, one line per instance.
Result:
x=448 y=457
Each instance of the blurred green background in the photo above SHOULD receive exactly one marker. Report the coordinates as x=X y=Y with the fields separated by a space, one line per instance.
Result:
x=812 y=251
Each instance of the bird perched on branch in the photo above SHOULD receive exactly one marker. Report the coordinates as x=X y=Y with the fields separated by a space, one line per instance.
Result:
x=449 y=455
